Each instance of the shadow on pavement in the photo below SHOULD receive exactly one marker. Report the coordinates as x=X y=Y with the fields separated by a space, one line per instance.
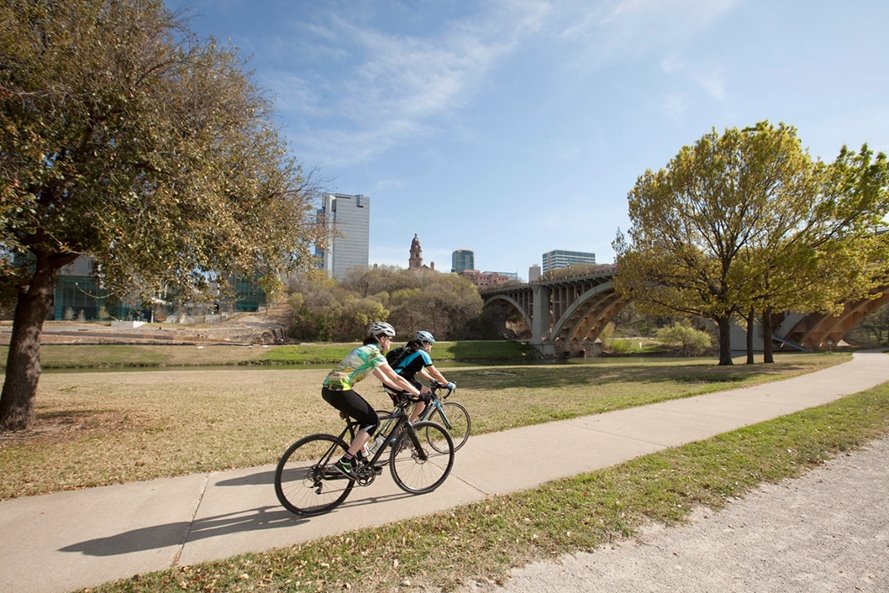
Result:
x=178 y=533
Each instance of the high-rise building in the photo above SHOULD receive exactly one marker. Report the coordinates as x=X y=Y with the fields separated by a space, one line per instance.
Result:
x=534 y=273
x=347 y=218
x=554 y=260
x=462 y=260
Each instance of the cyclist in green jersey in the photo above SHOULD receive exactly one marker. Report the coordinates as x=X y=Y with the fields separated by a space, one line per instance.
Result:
x=337 y=388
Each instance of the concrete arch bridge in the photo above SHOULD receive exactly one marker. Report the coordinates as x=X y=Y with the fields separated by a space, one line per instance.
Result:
x=566 y=315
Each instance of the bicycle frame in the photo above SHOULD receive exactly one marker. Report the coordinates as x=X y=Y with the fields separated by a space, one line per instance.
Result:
x=399 y=414
x=435 y=404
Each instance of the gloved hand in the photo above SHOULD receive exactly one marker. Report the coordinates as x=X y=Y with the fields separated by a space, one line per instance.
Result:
x=452 y=386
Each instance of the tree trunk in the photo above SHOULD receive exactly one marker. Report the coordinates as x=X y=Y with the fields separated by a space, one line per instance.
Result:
x=751 y=317
x=767 y=355
x=725 y=341
x=17 y=410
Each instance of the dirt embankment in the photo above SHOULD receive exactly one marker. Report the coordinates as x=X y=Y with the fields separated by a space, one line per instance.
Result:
x=237 y=329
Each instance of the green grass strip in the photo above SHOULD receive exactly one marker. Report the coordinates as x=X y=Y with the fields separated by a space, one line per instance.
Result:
x=485 y=539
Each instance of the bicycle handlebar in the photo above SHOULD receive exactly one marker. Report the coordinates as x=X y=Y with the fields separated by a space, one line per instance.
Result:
x=435 y=386
x=401 y=397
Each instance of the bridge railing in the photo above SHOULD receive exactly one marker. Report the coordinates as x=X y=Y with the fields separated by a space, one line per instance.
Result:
x=601 y=271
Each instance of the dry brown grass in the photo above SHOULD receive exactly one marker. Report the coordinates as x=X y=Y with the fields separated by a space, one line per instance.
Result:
x=101 y=428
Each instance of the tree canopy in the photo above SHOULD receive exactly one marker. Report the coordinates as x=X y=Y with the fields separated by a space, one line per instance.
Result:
x=447 y=305
x=127 y=139
x=747 y=220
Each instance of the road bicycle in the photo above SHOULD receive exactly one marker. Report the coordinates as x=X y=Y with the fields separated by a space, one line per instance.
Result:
x=452 y=415
x=421 y=456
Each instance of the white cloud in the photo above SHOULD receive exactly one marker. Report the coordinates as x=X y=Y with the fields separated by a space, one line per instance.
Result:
x=684 y=14
x=395 y=86
x=385 y=184
x=713 y=84
x=387 y=88
x=672 y=64
x=709 y=79
x=601 y=32
x=675 y=106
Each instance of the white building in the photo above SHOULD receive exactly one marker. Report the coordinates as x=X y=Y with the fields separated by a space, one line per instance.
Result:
x=347 y=218
x=557 y=259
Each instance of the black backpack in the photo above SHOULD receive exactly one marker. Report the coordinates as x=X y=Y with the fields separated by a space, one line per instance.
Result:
x=396 y=355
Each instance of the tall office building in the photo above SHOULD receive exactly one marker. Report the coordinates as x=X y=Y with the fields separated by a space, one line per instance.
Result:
x=554 y=260
x=347 y=218
x=462 y=260
x=534 y=273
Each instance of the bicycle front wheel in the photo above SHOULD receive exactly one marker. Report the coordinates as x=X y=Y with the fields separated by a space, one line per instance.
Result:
x=305 y=481
x=422 y=457
x=455 y=418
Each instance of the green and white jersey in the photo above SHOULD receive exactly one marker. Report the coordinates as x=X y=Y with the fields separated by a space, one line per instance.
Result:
x=355 y=367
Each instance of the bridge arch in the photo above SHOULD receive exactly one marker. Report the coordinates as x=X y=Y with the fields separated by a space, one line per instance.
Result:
x=817 y=330
x=566 y=313
x=513 y=303
x=587 y=316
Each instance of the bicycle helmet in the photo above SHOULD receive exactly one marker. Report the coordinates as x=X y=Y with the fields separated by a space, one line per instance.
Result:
x=381 y=328
x=423 y=336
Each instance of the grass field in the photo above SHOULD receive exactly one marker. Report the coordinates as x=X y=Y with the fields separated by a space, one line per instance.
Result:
x=97 y=428
x=116 y=426
x=482 y=541
x=76 y=356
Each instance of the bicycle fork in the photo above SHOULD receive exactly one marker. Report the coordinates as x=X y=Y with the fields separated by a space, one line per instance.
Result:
x=441 y=411
x=418 y=451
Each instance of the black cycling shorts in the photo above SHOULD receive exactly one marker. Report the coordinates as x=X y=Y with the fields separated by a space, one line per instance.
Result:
x=424 y=397
x=353 y=406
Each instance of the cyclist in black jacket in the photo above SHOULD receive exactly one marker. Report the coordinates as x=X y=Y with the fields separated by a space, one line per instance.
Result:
x=418 y=362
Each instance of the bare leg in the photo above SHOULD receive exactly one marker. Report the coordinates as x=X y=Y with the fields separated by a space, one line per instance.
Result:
x=418 y=409
x=358 y=442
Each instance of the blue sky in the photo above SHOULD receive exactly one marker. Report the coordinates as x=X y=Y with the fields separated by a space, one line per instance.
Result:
x=513 y=127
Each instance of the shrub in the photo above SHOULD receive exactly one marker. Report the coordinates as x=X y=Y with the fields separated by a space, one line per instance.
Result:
x=690 y=341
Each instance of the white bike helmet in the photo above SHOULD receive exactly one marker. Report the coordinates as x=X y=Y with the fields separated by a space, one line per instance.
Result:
x=423 y=336
x=381 y=328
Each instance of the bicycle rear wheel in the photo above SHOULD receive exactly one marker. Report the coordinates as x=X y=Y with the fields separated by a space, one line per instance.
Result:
x=305 y=481
x=455 y=420
x=422 y=457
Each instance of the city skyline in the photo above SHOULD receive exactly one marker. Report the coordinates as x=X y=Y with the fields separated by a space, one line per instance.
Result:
x=516 y=127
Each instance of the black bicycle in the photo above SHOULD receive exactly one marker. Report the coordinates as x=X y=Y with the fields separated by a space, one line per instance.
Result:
x=420 y=460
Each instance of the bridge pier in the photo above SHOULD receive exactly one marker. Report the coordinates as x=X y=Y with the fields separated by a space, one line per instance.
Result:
x=540 y=320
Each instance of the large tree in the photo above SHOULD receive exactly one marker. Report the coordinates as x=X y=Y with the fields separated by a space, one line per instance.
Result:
x=125 y=138
x=693 y=219
x=747 y=223
x=821 y=248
